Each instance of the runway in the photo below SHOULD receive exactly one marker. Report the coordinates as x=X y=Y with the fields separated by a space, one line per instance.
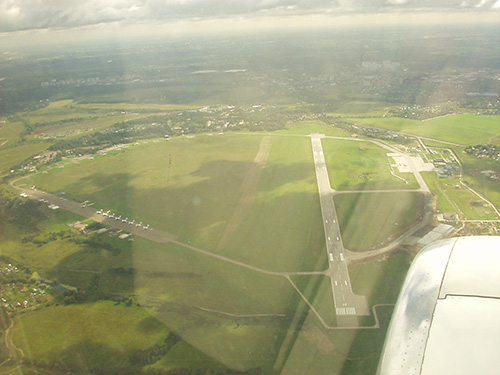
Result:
x=346 y=302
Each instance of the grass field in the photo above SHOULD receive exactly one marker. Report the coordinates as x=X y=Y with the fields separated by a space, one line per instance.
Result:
x=136 y=107
x=185 y=356
x=192 y=185
x=187 y=188
x=458 y=199
x=467 y=129
x=282 y=231
x=215 y=306
x=433 y=181
x=318 y=291
x=9 y=130
x=194 y=199
x=99 y=335
x=91 y=124
x=381 y=281
x=196 y=294
x=361 y=166
x=486 y=187
x=367 y=220
x=56 y=111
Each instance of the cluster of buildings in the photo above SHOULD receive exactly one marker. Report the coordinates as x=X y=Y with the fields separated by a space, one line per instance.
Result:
x=14 y=293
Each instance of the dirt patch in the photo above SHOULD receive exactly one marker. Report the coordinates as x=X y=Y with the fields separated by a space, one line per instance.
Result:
x=317 y=338
x=248 y=189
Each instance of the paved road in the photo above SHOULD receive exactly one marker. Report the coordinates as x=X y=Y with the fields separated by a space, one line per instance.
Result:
x=346 y=302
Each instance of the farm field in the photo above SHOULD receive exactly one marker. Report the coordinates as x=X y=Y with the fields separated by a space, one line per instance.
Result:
x=354 y=165
x=367 y=220
x=466 y=129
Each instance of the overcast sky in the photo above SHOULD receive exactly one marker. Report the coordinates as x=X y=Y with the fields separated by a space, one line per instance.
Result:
x=18 y=15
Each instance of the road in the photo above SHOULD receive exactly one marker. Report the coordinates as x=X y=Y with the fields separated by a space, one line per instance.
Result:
x=346 y=302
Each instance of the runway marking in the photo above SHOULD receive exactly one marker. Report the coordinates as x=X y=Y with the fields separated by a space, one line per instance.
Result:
x=345 y=311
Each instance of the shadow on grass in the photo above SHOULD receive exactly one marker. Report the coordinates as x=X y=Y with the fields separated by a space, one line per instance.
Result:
x=367 y=346
x=88 y=357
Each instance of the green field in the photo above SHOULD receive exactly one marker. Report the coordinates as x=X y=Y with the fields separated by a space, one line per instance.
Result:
x=72 y=337
x=318 y=291
x=283 y=231
x=187 y=188
x=444 y=202
x=9 y=130
x=368 y=220
x=76 y=126
x=192 y=196
x=99 y=336
x=361 y=166
x=62 y=110
x=381 y=281
x=467 y=129
x=191 y=187
x=193 y=293
x=454 y=197
x=136 y=107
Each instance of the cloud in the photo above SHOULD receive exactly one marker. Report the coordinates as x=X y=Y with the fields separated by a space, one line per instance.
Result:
x=36 y=14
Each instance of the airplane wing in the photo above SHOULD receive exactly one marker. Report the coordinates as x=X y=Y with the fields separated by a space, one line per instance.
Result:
x=447 y=317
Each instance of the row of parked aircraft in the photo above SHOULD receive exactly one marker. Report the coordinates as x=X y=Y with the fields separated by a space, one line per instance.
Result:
x=123 y=220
